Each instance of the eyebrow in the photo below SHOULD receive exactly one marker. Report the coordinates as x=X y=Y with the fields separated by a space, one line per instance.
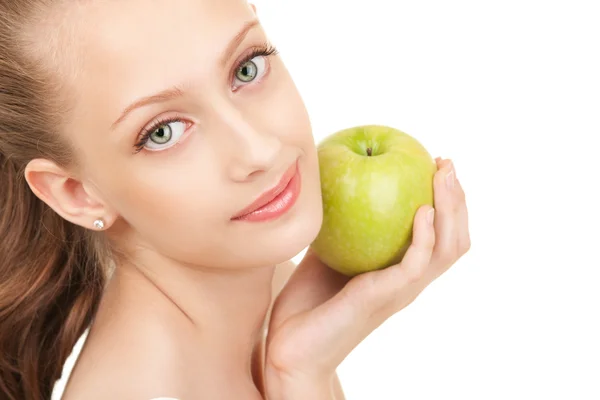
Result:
x=176 y=91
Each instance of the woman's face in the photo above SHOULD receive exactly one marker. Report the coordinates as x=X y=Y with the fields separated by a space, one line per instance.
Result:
x=178 y=134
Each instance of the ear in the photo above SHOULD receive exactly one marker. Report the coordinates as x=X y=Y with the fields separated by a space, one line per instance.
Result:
x=71 y=199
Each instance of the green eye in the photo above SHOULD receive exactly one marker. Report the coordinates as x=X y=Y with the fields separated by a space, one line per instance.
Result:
x=162 y=135
x=247 y=72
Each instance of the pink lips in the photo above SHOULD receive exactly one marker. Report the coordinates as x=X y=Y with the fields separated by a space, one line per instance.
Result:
x=276 y=201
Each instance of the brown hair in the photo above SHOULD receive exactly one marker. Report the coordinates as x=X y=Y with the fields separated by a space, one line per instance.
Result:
x=52 y=272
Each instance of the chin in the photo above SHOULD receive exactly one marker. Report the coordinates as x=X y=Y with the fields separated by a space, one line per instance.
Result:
x=292 y=246
x=300 y=230
x=271 y=245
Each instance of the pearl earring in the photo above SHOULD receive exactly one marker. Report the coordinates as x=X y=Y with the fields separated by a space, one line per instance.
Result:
x=99 y=224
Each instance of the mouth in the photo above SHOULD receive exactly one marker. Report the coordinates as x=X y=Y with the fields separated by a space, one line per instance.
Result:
x=275 y=201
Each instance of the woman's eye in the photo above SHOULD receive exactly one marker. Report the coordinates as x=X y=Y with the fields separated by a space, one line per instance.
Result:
x=165 y=135
x=251 y=70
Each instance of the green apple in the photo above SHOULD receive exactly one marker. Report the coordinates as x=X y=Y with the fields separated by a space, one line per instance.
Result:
x=373 y=180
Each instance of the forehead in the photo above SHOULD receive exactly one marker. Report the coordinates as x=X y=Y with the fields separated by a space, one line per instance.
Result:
x=128 y=26
x=141 y=46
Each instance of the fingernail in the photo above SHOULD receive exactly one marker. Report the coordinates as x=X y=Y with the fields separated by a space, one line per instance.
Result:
x=430 y=216
x=450 y=178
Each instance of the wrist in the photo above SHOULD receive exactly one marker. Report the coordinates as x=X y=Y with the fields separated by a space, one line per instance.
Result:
x=284 y=387
x=303 y=392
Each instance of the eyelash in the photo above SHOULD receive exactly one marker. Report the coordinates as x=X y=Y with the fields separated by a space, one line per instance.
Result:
x=264 y=50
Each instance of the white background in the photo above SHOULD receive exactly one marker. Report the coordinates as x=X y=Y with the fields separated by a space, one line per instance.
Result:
x=509 y=90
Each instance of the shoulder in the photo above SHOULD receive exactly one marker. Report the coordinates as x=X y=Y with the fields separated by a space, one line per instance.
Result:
x=126 y=371
x=124 y=362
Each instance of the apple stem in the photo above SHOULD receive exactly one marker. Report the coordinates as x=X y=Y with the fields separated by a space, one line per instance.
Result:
x=369 y=151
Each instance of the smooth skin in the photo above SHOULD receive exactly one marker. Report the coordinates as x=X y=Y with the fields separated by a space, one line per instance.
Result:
x=186 y=312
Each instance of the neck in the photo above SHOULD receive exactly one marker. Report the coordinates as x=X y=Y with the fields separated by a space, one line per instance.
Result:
x=224 y=309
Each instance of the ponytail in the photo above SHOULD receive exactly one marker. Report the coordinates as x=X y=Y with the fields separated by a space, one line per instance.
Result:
x=52 y=272
x=50 y=287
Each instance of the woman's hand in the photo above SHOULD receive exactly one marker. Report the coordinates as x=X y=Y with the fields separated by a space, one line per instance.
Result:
x=321 y=315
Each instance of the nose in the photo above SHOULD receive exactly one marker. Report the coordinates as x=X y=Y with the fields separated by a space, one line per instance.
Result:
x=250 y=150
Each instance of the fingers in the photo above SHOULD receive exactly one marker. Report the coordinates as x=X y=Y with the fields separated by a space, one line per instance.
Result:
x=462 y=217
x=433 y=250
x=447 y=197
x=332 y=319
x=418 y=256
x=367 y=300
x=396 y=286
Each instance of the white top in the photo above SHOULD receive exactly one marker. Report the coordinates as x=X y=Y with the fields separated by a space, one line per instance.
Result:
x=60 y=385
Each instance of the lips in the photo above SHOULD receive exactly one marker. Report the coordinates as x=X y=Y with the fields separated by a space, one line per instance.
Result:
x=267 y=197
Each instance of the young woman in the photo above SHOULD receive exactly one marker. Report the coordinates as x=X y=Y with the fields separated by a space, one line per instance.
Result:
x=158 y=171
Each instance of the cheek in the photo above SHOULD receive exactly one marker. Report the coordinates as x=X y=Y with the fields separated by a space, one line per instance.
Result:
x=299 y=133
x=165 y=200
x=282 y=109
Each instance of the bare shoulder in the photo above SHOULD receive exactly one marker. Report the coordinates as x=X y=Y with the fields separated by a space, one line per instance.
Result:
x=124 y=362
x=132 y=374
